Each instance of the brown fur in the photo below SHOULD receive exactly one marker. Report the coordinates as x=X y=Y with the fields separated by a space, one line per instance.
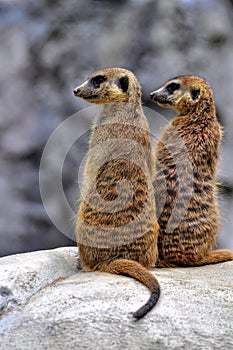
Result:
x=191 y=143
x=116 y=232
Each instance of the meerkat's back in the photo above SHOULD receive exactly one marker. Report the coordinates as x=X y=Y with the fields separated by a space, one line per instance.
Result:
x=187 y=156
x=117 y=228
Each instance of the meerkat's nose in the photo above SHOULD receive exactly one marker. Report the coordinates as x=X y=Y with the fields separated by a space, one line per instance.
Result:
x=152 y=94
x=76 y=91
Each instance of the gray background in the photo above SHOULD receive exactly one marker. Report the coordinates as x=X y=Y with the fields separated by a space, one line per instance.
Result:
x=49 y=47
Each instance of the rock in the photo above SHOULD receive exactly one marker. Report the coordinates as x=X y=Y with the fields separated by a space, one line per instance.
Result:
x=3 y=305
x=94 y=310
x=23 y=275
x=48 y=47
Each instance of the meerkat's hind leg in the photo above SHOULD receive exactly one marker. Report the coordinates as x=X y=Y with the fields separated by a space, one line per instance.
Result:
x=134 y=269
x=166 y=264
x=212 y=257
x=217 y=256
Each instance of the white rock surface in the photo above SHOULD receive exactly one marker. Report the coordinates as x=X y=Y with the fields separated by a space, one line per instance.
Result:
x=94 y=310
x=49 y=47
x=23 y=275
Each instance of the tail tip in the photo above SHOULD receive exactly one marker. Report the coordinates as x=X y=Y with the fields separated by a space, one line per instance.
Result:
x=140 y=313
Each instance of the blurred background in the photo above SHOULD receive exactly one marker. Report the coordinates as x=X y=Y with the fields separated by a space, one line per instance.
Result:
x=48 y=47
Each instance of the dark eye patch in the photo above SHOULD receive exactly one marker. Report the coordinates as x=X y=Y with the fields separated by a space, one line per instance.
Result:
x=172 y=87
x=124 y=83
x=97 y=80
x=195 y=93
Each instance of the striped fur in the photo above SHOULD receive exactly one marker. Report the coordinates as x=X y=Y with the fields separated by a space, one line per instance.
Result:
x=187 y=154
x=121 y=239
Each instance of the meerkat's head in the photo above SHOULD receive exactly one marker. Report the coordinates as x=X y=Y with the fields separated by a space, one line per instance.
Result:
x=109 y=85
x=182 y=93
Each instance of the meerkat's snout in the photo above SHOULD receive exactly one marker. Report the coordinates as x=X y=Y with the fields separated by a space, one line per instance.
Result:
x=166 y=95
x=76 y=91
x=152 y=95
x=160 y=96
x=156 y=95
x=81 y=90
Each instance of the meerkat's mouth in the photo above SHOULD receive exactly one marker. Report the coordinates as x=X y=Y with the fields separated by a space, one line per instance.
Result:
x=92 y=97
x=161 y=100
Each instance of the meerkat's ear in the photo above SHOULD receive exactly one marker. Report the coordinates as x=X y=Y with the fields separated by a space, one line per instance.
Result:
x=124 y=83
x=195 y=93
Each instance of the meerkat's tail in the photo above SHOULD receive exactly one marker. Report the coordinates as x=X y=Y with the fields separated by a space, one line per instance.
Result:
x=134 y=269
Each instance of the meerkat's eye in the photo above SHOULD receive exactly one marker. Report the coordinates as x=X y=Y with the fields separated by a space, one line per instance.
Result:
x=172 y=87
x=124 y=83
x=195 y=93
x=97 y=80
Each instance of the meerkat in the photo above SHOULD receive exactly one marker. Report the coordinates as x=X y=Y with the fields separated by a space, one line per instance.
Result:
x=191 y=143
x=116 y=227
